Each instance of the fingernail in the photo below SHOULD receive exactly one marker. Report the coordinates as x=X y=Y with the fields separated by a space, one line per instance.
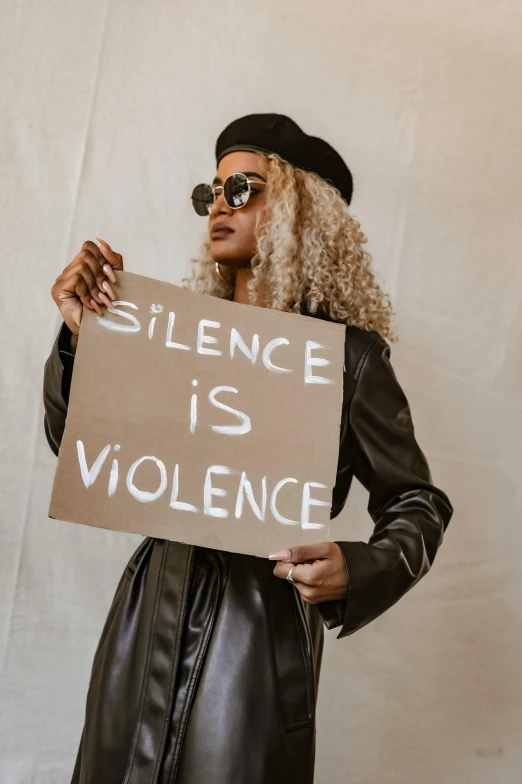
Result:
x=284 y=555
x=97 y=242
x=96 y=307
x=109 y=272
x=103 y=242
x=105 y=299
x=107 y=287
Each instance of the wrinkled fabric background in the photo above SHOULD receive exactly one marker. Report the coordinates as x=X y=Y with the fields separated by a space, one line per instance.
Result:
x=108 y=112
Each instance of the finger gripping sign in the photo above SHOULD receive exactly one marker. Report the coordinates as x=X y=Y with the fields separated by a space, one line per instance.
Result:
x=203 y=421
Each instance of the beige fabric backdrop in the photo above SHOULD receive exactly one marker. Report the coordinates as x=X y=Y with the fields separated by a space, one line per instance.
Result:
x=109 y=111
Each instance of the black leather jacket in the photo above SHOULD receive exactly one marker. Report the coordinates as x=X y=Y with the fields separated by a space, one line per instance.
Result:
x=208 y=665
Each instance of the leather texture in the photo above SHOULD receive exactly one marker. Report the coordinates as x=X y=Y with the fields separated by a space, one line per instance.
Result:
x=208 y=665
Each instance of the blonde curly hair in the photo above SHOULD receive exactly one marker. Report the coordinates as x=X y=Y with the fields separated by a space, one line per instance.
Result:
x=309 y=255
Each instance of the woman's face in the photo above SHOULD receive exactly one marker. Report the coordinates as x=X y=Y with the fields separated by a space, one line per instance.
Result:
x=232 y=232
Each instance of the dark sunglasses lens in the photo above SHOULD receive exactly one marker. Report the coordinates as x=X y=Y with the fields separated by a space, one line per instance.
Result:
x=236 y=190
x=202 y=198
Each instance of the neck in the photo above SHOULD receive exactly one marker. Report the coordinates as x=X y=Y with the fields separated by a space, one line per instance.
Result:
x=241 y=293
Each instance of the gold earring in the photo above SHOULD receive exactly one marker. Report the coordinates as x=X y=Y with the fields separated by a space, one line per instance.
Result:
x=220 y=274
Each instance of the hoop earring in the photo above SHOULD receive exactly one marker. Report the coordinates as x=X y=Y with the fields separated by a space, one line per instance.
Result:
x=220 y=274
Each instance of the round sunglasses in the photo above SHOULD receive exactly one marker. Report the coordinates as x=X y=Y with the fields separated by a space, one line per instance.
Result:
x=236 y=191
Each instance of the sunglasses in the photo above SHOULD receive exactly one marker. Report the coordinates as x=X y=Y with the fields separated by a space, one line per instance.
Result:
x=236 y=191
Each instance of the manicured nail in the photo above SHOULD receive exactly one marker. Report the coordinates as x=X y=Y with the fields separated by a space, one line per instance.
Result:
x=105 y=299
x=109 y=272
x=284 y=555
x=104 y=243
x=108 y=289
x=96 y=307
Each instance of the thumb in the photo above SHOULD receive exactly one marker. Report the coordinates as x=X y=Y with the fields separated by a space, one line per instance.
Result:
x=303 y=553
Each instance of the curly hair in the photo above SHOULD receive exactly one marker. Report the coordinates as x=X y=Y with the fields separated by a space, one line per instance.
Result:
x=309 y=256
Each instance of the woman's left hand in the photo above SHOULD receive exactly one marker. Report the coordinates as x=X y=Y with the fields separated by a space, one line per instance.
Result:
x=320 y=573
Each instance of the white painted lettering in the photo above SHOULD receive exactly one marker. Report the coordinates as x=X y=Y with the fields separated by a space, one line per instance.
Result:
x=143 y=495
x=193 y=409
x=311 y=362
x=169 y=343
x=273 y=498
x=113 y=325
x=113 y=479
x=308 y=502
x=89 y=475
x=209 y=491
x=237 y=340
x=267 y=352
x=231 y=430
x=174 y=503
x=202 y=338
x=245 y=490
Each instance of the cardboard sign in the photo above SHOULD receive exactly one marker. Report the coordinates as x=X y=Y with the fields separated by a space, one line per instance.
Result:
x=203 y=421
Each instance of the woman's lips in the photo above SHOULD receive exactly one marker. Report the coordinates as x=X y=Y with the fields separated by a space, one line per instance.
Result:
x=220 y=230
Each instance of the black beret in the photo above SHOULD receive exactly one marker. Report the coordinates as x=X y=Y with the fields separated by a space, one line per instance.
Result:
x=276 y=133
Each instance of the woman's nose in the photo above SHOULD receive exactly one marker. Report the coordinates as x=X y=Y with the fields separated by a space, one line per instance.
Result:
x=220 y=207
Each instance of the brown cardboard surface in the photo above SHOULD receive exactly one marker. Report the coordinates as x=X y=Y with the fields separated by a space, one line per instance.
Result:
x=143 y=412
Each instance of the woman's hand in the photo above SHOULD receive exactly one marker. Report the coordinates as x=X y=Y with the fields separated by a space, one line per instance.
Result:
x=320 y=573
x=86 y=282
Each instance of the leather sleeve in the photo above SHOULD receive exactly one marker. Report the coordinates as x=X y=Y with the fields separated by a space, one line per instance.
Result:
x=56 y=386
x=410 y=514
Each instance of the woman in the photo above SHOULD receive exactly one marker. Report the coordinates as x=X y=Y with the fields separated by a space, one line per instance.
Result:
x=207 y=668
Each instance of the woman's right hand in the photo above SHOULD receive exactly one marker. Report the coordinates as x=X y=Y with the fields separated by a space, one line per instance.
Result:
x=86 y=282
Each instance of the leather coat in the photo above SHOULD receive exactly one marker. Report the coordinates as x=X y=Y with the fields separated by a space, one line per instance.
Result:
x=207 y=668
